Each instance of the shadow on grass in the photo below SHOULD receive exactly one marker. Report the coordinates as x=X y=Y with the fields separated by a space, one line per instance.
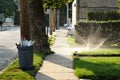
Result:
x=97 y=71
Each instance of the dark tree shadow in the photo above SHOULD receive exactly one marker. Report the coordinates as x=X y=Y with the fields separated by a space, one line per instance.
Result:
x=60 y=60
x=41 y=76
x=63 y=63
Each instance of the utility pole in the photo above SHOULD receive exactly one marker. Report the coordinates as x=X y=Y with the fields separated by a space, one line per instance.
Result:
x=67 y=14
x=58 y=19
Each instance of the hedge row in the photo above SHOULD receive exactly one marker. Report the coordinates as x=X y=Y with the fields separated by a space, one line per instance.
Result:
x=109 y=30
x=103 y=15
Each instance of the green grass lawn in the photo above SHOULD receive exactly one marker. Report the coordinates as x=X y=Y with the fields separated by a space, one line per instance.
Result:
x=13 y=72
x=71 y=41
x=100 y=51
x=100 y=68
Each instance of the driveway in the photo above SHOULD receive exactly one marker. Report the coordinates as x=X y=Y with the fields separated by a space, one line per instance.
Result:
x=8 y=51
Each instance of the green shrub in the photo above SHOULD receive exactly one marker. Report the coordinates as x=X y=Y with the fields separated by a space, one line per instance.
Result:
x=103 y=15
x=51 y=39
x=102 y=29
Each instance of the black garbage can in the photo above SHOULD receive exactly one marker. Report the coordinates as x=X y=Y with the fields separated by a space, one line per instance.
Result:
x=25 y=55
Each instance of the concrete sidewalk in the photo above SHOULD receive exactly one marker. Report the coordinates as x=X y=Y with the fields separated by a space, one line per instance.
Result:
x=58 y=66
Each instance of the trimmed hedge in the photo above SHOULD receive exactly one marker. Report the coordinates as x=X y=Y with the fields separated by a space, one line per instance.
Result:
x=104 y=15
x=96 y=30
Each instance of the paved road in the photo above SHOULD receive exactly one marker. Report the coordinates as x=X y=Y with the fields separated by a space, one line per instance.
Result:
x=8 y=37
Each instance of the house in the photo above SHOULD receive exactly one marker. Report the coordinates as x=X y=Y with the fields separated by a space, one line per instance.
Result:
x=80 y=8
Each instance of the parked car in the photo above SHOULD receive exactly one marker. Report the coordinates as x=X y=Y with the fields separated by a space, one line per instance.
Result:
x=9 y=21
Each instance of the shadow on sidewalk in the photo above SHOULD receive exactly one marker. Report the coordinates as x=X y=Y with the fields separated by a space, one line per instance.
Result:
x=56 y=67
x=64 y=61
x=42 y=76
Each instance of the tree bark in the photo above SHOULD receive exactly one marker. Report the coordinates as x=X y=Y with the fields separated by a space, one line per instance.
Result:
x=52 y=21
x=37 y=25
x=24 y=22
x=58 y=19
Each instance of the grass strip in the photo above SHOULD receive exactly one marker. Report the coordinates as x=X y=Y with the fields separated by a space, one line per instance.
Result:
x=99 y=52
x=71 y=41
x=12 y=72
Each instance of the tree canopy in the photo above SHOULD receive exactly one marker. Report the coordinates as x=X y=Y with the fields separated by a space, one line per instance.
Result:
x=8 y=7
x=55 y=4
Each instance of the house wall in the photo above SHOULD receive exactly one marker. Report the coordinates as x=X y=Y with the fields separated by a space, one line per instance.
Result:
x=74 y=12
x=84 y=6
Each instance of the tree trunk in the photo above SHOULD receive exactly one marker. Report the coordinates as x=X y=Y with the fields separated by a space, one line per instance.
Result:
x=51 y=27
x=58 y=19
x=24 y=22
x=37 y=24
x=52 y=21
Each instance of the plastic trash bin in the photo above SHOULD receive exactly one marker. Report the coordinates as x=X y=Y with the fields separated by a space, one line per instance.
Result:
x=25 y=55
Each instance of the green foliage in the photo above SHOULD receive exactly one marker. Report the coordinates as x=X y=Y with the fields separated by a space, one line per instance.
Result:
x=8 y=7
x=51 y=40
x=71 y=40
x=103 y=15
x=118 y=3
x=14 y=73
x=100 y=68
x=55 y=4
